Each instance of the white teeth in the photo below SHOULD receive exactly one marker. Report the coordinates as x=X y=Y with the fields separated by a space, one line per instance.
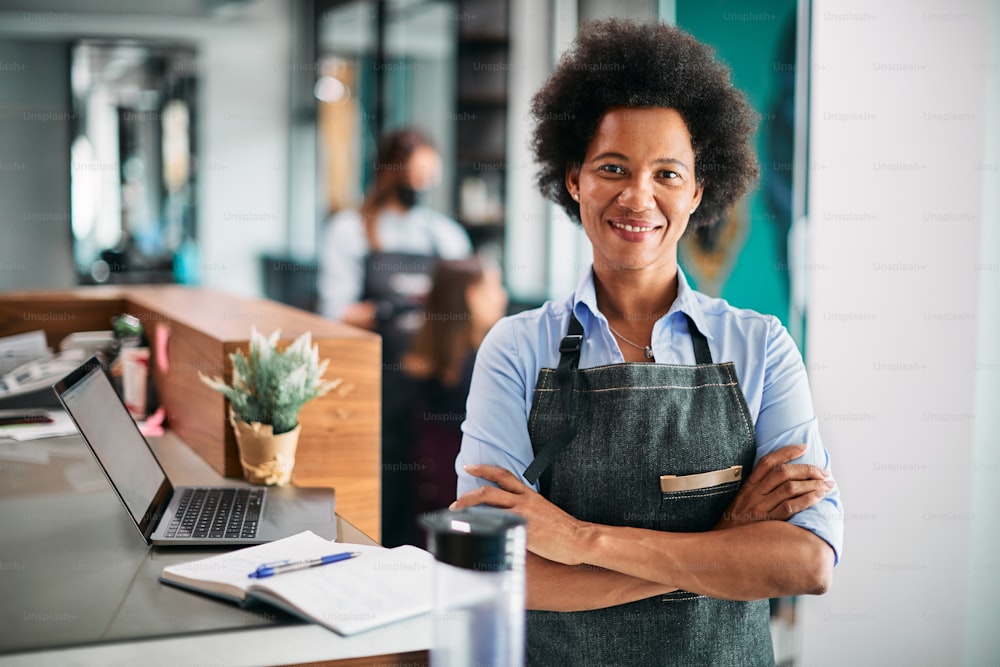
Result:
x=630 y=228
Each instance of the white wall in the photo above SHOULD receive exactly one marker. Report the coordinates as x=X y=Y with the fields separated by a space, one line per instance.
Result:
x=244 y=67
x=527 y=218
x=902 y=327
x=245 y=138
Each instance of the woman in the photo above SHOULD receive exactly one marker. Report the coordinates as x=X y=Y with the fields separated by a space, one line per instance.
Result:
x=466 y=299
x=375 y=262
x=374 y=273
x=643 y=429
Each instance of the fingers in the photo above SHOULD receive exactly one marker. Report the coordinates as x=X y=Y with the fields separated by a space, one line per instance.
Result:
x=790 y=473
x=503 y=478
x=782 y=493
x=791 y=497
x=503 y=497
x=773 y=470
x=796 y=488
x=777 y=458
x=793 y=505
x=484 y=495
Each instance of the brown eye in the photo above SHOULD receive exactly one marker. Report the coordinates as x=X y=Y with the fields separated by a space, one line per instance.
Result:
x=612 y=169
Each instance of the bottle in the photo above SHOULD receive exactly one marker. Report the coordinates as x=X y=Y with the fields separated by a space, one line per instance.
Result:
x=479 y=603
x=132 y=365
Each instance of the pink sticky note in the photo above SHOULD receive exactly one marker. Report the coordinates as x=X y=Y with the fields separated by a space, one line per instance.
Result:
x=161 y=343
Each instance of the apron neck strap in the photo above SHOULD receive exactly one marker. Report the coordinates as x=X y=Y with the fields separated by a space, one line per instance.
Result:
x=569 y=360
x=702 y=355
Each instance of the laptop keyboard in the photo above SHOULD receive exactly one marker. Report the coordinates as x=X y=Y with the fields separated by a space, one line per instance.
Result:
x=217 y=513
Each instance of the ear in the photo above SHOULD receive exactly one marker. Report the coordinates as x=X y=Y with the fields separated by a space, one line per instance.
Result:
x=573 y=180
x=696 y=201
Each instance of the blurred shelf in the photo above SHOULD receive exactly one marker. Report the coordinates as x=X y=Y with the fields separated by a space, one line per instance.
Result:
x=482 y=68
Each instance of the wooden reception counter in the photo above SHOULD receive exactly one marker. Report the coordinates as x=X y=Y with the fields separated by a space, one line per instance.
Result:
x=195 y=329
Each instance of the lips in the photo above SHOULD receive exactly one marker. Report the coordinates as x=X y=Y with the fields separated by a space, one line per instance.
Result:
x=633 y=226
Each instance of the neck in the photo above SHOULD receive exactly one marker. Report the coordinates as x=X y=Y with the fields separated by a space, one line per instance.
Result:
x=635 y=297
x=393 y=206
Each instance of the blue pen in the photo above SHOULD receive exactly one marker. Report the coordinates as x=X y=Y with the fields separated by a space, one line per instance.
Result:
x=278 y=567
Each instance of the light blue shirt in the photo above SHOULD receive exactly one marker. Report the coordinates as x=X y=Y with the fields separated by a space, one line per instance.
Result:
x=768 y=365
x=419 y=231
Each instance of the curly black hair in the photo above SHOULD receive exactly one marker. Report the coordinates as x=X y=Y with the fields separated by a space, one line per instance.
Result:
x=619 y=63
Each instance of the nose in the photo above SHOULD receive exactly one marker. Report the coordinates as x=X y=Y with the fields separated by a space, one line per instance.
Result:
x=637 y=195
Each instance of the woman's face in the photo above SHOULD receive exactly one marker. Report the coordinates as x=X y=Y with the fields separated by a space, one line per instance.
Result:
x=636 y=188
x=423 y=168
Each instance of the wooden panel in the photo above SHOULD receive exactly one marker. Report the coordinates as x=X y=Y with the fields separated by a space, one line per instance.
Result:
x=339 y=429
x=193 y=410
x=340 y=441
x=59 y=314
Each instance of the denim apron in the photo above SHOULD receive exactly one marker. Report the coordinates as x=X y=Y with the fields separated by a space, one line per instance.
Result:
x=602 y=437
x=399 y=281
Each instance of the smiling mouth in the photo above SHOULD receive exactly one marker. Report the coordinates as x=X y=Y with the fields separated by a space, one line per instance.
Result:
x=632 y=228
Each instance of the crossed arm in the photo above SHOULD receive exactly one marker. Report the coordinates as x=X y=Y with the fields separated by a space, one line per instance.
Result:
x=752 y=553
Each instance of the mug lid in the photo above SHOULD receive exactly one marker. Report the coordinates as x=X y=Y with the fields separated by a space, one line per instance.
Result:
x=476 y=538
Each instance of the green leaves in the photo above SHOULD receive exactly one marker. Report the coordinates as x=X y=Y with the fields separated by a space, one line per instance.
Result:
x=270 y=385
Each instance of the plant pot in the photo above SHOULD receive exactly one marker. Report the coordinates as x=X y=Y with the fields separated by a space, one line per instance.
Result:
x=266 y=458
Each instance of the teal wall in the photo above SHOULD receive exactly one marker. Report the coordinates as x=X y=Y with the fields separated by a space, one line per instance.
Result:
x=746 y=36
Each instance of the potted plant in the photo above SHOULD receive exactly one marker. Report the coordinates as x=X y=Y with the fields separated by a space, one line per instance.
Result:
x=269 y=387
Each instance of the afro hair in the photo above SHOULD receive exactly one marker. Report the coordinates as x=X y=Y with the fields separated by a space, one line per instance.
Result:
x=617 y=63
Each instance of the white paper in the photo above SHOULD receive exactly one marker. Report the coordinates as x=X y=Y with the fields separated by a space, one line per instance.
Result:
x=22 y=348
x=374 y=589
x=378 y=587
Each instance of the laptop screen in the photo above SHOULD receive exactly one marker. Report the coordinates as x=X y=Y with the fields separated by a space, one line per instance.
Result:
x=106 y=425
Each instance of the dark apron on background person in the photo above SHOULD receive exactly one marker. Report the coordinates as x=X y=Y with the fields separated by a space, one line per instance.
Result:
x=600 y=450
x=398 y=284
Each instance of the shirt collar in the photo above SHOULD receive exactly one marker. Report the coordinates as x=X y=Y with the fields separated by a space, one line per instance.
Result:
x=585 y=302
x=687 y=302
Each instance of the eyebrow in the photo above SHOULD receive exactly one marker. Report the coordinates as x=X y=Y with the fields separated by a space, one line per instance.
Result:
x=660 y=161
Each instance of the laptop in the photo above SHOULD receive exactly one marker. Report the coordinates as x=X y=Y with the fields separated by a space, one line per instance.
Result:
x=165 y=514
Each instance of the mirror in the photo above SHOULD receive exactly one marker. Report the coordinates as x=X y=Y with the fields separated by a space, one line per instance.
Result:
x=132 y=179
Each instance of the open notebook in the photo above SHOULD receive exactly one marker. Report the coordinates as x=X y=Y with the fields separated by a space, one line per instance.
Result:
x=379 y=587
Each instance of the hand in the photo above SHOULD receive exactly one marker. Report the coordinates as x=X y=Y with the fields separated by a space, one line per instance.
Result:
x=776 y=489
x=360 y=314
x=552 y=533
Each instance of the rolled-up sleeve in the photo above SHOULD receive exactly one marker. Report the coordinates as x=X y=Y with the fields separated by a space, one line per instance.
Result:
x=495 y=430
x=787 y=417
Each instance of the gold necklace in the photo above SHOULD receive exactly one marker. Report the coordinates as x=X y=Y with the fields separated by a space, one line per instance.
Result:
x=646 y=349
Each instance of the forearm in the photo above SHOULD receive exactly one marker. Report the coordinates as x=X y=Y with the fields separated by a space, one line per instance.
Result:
x=748 y=562
x=552 y=586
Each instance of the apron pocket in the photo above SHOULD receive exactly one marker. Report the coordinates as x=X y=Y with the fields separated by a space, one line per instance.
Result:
x=696 y=509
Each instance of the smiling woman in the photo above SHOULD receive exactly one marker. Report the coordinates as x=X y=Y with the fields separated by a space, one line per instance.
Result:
x=662 y=444
x=637 y=190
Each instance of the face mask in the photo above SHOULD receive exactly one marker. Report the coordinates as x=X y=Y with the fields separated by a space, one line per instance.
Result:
x=406 y=195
